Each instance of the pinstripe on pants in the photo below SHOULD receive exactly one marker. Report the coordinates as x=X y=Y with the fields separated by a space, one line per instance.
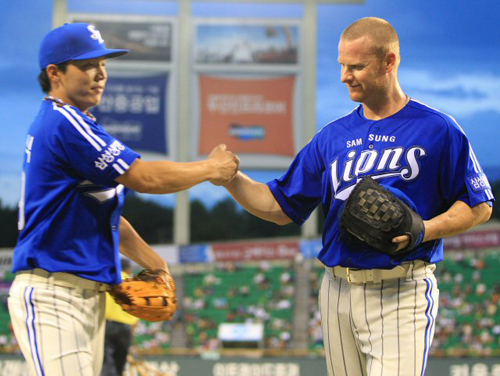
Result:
x=379 y=329
x=60 y=329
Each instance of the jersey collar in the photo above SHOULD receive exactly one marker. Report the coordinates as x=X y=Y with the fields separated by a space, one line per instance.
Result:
x=61 y=103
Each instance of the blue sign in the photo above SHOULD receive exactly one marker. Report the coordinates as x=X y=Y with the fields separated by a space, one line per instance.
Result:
x=197 y=253
x=133 y=109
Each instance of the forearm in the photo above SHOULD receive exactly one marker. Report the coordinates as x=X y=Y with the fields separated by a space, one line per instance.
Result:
x=257 y=199
x=165 y=177
x=459 y=218
x=135 y=248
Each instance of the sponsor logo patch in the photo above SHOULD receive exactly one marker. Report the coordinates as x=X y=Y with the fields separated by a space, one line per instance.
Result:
x=109 y=155
x=478 y=182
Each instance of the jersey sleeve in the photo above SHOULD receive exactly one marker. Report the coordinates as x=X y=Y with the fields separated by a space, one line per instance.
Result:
x=462 y=177
x=90 y=150
x=298 y=191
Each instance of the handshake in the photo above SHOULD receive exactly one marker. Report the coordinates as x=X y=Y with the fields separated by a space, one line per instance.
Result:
x=224 y=165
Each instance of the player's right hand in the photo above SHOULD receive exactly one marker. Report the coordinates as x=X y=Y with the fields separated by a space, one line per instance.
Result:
x=225 y=165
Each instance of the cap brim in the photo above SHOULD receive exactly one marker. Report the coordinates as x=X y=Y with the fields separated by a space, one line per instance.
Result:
x=108 y=53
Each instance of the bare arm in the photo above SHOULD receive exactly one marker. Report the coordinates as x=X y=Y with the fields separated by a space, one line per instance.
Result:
x=169 y=177
x=164 y=176
x=135 y=248
x=458 y=218
x=257 y=199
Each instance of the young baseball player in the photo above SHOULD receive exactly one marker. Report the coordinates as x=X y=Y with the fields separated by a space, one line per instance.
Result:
x=378 y=312
x=75 y=177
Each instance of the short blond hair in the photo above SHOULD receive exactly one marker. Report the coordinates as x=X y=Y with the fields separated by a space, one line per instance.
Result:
x=379 y=31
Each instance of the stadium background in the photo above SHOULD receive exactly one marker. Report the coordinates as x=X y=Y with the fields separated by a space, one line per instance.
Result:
x=238 y=269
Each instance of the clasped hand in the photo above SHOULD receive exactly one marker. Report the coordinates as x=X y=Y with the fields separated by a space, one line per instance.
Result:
x=225 y=165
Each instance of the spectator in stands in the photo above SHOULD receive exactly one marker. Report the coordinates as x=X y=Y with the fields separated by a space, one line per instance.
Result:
x=244 y=290
x=229 y=267
x=288 y=290
x=210 y=279
x=286 y=277
x=264 y=266
x=285 y=338
x=221 y=303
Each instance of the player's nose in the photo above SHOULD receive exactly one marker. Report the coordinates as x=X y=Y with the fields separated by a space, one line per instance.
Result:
x=101 y=74
x=345 y=75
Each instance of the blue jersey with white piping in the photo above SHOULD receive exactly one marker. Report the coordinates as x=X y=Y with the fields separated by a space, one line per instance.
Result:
x=419 y=151
x=70 y=204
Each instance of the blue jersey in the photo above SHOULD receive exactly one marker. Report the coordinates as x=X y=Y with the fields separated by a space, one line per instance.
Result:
x=418 y=151
x=70 y=204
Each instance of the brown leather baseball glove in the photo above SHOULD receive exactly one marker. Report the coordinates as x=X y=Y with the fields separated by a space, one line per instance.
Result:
x=147 y=295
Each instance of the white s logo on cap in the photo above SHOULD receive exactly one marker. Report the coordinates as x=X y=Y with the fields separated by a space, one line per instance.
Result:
x=96 y=34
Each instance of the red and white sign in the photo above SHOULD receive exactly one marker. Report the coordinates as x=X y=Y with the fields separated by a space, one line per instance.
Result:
x=473 y=240
x=248 y=115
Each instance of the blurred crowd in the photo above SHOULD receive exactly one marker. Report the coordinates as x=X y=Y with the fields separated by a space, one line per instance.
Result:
x=469 y=319
x=235 y=293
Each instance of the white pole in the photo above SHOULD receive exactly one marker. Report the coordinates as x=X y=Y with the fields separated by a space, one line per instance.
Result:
x=59 y=13
x=182 y=209
x=310 y=227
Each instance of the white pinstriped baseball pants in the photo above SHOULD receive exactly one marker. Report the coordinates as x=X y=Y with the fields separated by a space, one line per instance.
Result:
x=58 y=321
x=379 y=329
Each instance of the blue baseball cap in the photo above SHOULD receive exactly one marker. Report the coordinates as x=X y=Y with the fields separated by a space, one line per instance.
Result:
x=75 y=41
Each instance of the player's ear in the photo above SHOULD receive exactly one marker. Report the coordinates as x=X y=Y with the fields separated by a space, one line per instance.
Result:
x=53 y=72
x=390 y=62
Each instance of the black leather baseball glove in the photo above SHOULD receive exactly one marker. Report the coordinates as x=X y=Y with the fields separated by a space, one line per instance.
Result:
x=375 y=216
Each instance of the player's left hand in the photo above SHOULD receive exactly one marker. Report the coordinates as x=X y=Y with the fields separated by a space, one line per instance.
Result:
x=403 y=241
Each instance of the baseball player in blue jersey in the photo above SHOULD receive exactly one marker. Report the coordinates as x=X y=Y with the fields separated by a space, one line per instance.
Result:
x=75 y=176
x=378 y=312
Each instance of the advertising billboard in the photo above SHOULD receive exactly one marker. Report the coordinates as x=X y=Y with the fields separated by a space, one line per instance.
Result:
x=148 y=38
x=247 y=85
x=133 y=109
x=248 y=115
